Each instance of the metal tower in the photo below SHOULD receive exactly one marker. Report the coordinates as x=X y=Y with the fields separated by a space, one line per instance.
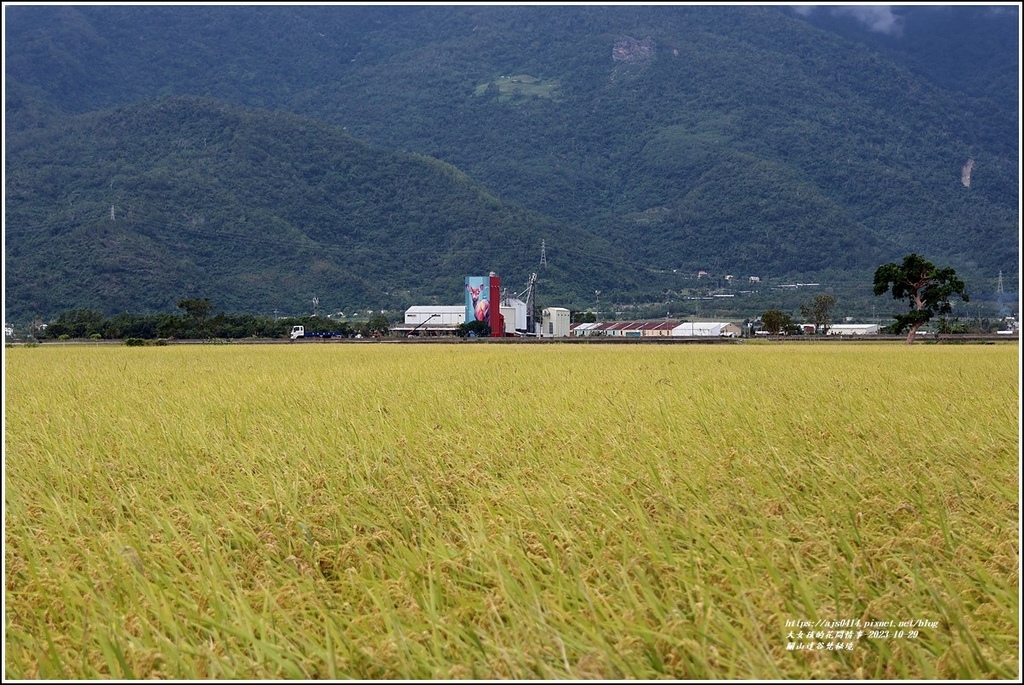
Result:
x=530 y=297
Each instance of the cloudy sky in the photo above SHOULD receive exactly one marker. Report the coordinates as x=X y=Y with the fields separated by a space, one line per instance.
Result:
x=878 y=18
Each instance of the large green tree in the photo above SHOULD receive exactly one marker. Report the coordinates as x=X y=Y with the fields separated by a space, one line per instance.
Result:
x=819 y=312
x=776 y=322
x=926 y=288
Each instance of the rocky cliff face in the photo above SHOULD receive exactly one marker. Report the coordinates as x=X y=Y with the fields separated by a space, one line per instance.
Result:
x=631 y=50
x=965 y=172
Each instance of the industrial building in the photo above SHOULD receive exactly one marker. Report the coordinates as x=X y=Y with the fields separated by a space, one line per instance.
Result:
x=555 y=322
x=432 y=320
x=513 y=311
x=512 y=317
x=645 y=329
x=854 y=329
x=707 y=329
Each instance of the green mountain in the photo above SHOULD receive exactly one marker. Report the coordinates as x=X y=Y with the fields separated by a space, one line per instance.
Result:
x=257 y=210
x=659 y=140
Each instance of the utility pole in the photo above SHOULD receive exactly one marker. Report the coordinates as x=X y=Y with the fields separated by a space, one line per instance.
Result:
x=597 y=311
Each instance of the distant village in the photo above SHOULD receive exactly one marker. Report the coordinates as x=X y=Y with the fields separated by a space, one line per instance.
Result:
x=439 y=320
x=514 y=317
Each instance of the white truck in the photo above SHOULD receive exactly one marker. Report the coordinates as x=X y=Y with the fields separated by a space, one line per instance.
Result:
x=300 y=332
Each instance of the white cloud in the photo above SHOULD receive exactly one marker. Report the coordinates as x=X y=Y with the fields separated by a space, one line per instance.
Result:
x=878 y=18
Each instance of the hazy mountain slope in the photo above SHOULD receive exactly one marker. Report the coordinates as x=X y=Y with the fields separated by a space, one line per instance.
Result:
x=255 y=210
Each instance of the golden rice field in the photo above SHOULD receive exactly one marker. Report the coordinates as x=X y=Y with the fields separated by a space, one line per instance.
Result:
x=388 y=511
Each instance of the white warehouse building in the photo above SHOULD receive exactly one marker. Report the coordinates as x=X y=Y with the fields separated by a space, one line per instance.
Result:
x=854 y=329
x=436 y=314
x=432 y=319
x=707 y=329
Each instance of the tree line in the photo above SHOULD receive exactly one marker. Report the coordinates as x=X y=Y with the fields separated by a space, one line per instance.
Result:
x=196 y=322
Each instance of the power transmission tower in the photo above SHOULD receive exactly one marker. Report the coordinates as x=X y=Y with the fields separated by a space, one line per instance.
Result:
x=999 y=283
x=543 y=254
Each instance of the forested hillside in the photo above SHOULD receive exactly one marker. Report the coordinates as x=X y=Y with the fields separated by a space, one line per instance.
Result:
x=739 y=140
x=261 y=210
